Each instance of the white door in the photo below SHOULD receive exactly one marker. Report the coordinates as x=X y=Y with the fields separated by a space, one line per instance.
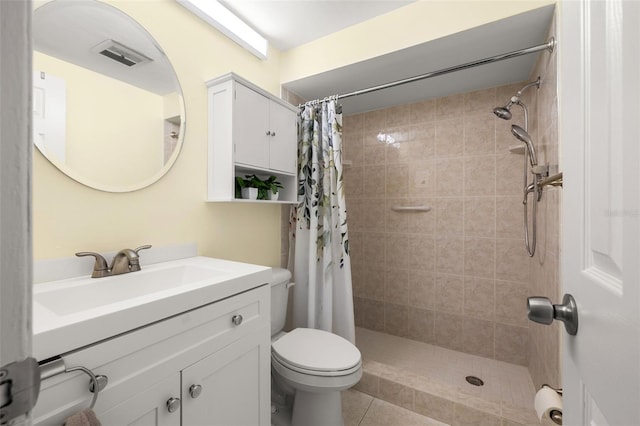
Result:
x=149 y=407
x=231 y=386
x=250 y=127
x=283 y=146
x=599 y=117
x=15 y=190
x=50 y=115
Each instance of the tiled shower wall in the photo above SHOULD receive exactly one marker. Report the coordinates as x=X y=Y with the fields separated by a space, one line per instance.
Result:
x=457 y=275
x=436 y=287
x=544 y=341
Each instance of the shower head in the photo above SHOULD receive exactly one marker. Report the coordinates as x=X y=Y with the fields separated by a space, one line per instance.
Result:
x=503 y=112
x=523 y=136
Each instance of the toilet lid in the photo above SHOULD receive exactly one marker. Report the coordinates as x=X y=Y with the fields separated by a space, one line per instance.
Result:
x=316 y=350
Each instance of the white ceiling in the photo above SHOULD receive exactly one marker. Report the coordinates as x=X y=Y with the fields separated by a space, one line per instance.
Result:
x=499 y=37
x=290 y=23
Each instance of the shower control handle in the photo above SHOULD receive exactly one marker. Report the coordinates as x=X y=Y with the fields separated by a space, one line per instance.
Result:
x=542 y=311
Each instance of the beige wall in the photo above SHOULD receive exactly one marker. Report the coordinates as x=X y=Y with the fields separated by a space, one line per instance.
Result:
x=69 y=217
x=131 y=137
x=544 y=342
x=456 y=276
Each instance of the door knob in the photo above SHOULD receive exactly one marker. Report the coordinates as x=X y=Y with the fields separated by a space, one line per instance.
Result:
x=542 y=311
x=173 y=404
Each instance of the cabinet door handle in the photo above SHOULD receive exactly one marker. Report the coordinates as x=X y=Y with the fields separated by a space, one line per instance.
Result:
x=195 y=391
x=273 y=133
x=173 y=404
x=237 y=319
x=268 y=133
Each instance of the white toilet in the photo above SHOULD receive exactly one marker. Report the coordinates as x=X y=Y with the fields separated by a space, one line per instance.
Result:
x=309 y=367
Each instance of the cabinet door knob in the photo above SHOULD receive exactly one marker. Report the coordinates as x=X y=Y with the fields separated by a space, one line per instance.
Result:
x=237 y=319
x=273 y=133
x=268 y=133
x=173 y=404
x=195 y=391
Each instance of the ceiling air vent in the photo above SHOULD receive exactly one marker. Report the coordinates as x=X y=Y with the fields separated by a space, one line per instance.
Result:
x=121 y=53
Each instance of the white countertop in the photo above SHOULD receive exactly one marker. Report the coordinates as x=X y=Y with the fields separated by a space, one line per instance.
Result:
x=56 y=333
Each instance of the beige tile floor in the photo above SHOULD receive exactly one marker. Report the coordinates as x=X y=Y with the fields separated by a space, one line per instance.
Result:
x=405 y=372
x=508 y=383
x=360 y=409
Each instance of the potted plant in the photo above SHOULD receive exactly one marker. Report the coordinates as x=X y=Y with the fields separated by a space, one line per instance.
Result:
x=253 y=188
x=273 y=187
x=246 y=188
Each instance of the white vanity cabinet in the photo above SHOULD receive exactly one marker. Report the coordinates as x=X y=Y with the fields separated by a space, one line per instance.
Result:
x=250 y=132
x=210 y=364
x=148 y=407
x=224 y=388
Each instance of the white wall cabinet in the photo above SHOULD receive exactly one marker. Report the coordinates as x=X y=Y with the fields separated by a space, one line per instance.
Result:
x=217 y=369
x=250 y=132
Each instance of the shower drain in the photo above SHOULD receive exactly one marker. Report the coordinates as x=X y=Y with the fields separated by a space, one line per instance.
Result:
x=475 y=381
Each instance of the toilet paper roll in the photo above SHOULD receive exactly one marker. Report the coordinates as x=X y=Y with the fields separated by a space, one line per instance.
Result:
x=547 y=400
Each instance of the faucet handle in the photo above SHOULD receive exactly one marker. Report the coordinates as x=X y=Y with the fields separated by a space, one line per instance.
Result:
x=144 y=247
x=100 y=268
x=134 y=263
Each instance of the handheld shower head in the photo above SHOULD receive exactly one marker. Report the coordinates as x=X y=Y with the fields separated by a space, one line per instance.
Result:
x=523 y=136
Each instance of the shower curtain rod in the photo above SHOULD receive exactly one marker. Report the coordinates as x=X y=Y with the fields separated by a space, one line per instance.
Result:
x=550 y=46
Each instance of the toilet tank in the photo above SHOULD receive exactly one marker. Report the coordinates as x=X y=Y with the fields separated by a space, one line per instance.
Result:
x=280 y=279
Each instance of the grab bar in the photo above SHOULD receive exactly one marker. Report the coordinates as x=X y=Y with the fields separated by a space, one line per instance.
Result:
x=55 y=366
x=410 y=208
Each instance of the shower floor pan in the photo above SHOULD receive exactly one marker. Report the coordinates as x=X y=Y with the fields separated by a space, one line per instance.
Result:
x=431 y=380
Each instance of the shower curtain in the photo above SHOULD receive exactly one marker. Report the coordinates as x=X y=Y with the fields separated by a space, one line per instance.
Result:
x=318 y=237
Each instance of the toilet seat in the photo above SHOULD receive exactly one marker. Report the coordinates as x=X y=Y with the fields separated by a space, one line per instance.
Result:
x=316 y=352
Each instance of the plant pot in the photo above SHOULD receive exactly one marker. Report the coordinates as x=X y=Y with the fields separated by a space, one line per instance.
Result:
x=249 y=193
x=273 y=196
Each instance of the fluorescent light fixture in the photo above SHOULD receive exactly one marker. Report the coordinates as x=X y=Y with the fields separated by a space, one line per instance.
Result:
x=215 y=14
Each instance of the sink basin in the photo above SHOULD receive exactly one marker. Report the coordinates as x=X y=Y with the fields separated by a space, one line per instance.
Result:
x=91 y=293
x=75 y=312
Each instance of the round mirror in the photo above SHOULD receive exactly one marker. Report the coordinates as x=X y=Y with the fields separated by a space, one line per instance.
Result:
x=107 y=106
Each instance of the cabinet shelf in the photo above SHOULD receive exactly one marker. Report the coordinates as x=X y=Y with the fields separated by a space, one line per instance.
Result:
x=250 y=132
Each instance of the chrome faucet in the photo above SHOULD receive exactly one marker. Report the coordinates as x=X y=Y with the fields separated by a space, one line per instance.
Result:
x=125 y=261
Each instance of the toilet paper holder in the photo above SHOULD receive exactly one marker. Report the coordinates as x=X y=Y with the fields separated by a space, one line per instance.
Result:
x=555 y=415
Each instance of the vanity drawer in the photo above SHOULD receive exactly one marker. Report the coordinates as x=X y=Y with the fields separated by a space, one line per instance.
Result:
x=137 y=360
